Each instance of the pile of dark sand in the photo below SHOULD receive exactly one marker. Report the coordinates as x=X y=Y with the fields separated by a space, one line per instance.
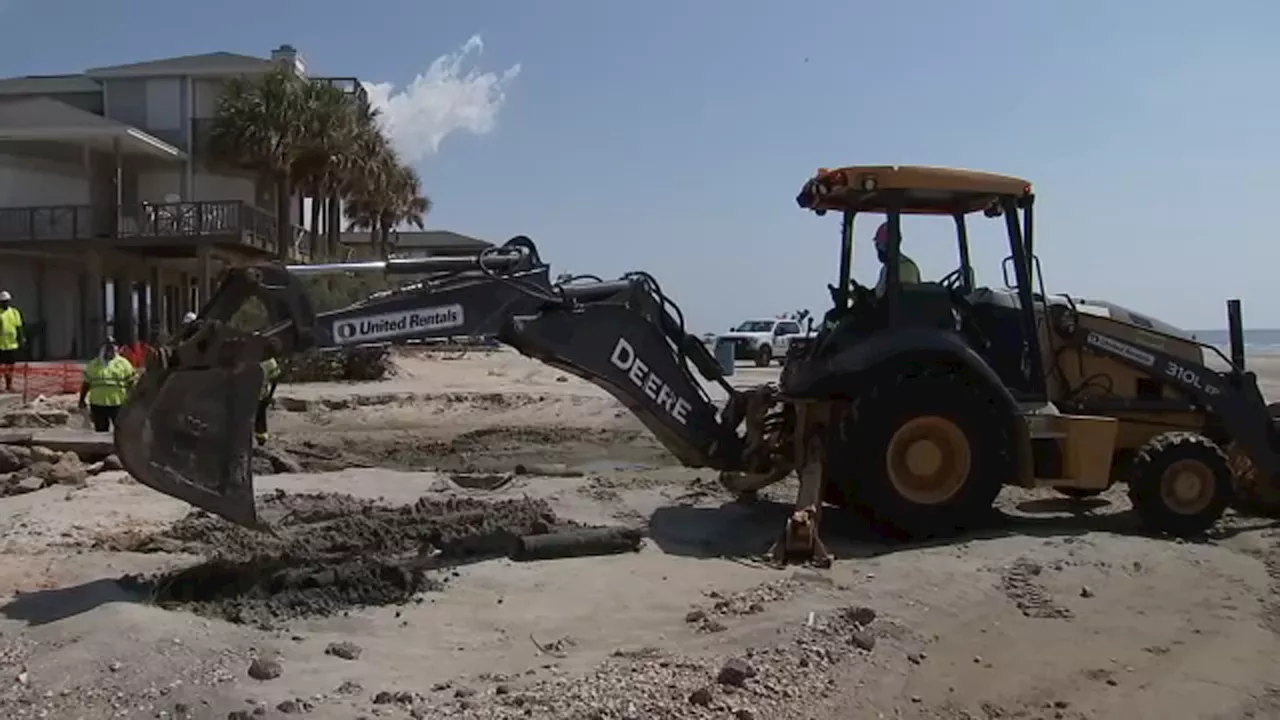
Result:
x=330 y=552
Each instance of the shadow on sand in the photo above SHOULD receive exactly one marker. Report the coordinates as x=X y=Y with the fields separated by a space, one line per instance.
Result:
x=47 y=606
x=743 y=530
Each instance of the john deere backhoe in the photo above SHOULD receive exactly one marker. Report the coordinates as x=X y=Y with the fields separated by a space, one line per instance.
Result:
x=913 y=408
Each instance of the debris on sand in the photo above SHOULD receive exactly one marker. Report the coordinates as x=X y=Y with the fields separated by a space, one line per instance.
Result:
x=27 y=468
x=344 y=649
x=261 y=669
x=329 y=552
x=761 y=682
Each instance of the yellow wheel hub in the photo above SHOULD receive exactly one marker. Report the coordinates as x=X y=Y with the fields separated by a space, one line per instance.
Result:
x=1187 y=487
x=928 y=459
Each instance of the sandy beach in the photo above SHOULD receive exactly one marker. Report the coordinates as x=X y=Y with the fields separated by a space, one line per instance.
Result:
x=1063 y=611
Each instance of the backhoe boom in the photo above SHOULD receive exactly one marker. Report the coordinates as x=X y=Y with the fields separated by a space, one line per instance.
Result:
x=186 y=429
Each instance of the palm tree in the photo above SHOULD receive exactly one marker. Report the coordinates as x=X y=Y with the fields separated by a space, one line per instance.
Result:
x=408 y=206
x=385 y=196
x=260 y=125
x=360 y=171
x=331 y=121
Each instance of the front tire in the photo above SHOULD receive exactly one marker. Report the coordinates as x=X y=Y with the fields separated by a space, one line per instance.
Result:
x=1181 y=484
x=926 y=455
x=764 y=356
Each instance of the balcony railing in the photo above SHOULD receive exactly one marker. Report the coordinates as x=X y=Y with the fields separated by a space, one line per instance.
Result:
x=52 y=222
x=224 y=222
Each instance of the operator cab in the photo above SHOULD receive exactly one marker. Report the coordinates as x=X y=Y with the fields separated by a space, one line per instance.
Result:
x=999 y=326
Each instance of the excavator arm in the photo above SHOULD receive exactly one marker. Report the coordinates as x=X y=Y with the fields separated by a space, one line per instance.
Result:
x=186 y=430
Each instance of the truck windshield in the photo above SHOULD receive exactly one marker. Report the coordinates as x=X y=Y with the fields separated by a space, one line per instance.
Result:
x=755 y=326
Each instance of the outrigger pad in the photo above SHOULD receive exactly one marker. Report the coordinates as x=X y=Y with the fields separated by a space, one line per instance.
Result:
x=189 y=435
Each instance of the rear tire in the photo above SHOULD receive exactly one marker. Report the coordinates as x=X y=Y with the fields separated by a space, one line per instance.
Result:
x=764 y=356
x=926 y=455
x=1181 y=484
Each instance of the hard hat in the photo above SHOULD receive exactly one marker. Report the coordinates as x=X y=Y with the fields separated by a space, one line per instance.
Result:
x=4 y=295
x=189 y=317
x=882 y=235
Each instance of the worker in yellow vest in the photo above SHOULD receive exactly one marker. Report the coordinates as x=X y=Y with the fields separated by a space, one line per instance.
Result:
x=108 y=378
x=270 y=378
x=11 y=337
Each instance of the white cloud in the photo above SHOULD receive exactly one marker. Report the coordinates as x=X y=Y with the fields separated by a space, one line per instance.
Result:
x=447 y=98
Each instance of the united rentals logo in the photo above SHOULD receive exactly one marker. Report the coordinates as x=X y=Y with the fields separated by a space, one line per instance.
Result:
x=389 y=325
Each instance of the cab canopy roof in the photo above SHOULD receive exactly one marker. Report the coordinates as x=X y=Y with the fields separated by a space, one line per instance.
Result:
x=924 y=190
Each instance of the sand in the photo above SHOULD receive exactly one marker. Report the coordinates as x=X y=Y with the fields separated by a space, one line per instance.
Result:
x=1064 y=610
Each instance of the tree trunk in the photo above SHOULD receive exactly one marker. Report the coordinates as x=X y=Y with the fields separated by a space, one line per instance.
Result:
x=374 y=235
x=334 y=208
x=318 y=251
x=284 y=219
x=385 y=226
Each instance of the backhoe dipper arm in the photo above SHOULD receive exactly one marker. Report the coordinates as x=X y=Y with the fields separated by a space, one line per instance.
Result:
x=621 y=336
x=1232 y=398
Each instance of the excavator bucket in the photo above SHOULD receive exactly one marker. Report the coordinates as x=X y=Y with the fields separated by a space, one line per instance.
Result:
x=188 y=433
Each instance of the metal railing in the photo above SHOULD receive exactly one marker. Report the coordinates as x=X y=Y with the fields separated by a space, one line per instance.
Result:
x=228 y=221
x=50 y=222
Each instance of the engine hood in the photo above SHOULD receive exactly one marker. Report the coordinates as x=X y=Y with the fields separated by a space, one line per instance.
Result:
x=1098 y=308
x=1122 y=314
x=742 y=336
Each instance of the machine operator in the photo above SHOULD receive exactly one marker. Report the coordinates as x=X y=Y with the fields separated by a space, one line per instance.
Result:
x=908 y=273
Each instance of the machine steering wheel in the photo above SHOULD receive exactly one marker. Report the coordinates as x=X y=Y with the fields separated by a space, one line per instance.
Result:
x=861 y=295
x=951 y=280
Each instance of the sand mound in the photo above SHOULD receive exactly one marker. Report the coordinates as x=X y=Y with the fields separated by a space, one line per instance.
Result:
x=331 y=552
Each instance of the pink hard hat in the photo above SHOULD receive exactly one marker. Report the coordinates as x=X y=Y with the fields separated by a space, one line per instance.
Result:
x=882 y=235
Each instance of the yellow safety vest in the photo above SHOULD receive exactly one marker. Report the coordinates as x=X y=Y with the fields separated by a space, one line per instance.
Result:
x=270 y=371
x=10 y=324
x=109 y=382
x=908 y=274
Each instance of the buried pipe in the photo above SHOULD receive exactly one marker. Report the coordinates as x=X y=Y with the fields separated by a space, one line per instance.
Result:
x=580 y=542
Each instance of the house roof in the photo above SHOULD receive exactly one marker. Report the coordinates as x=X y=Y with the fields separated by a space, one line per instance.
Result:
x=214 y=63
x=48 y=84
x=421 y=239
x=43 y=118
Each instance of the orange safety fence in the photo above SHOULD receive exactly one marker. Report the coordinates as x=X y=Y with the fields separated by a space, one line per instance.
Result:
x=33 y=379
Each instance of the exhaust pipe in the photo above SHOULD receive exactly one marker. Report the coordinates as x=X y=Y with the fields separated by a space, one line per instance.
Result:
x=1235 y=334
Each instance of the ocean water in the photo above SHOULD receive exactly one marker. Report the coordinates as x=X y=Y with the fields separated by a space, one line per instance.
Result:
x=1256 y=342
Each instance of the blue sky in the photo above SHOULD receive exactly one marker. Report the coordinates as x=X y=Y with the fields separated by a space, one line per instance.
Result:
x=672 y=136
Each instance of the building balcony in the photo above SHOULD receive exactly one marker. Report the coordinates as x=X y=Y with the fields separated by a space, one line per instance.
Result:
x=161 y=229
x=349 y=85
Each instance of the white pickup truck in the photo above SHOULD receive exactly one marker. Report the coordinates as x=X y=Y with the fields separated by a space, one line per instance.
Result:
x=762 y=341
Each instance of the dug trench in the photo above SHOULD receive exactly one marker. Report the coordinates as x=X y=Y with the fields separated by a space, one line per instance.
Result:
x=332 y=552
x=499 y=449
x=329 y=552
